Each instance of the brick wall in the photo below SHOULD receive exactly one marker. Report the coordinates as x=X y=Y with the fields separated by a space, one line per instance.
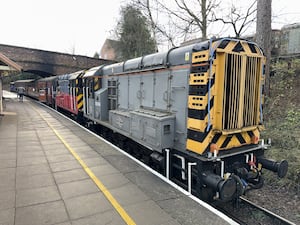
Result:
x=49 y=62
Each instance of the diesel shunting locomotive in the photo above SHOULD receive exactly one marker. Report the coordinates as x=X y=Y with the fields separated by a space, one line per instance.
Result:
x=194 y=111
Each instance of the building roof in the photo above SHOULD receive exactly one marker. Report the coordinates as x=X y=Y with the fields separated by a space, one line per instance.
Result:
x=291 y=26
x=8 y=64
x=109 y=49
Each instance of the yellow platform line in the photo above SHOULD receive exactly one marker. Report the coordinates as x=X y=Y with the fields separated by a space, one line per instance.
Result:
x=99 y=184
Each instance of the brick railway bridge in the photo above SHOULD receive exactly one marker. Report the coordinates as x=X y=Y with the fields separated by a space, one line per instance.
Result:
x=46 y=63
x=42 y=63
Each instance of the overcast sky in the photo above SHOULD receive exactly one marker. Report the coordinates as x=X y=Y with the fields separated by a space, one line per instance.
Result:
x=81 y=26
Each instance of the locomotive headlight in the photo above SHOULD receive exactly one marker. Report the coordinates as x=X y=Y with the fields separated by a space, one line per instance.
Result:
x=254 y=139
x=213 y=148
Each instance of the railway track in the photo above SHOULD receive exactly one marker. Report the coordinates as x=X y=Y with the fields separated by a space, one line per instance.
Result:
x=276 y=218
x=246 y=212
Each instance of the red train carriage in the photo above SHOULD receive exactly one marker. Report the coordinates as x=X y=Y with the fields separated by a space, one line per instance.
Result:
x=29 y=86
x=47 y=90
x=69 y=95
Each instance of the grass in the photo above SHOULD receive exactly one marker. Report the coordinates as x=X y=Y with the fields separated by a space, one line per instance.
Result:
x=282 y=120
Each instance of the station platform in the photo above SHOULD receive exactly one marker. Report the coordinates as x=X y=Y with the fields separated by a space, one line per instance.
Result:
x=53 y=171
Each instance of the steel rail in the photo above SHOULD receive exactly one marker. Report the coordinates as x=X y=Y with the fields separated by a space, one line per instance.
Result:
x=267 y=212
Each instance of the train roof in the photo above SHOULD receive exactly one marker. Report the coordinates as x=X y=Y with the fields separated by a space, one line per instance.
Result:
x=71 y=76
x=24 y=81
x=48 y=78
x=174 y=57
x=75 y=75
x=95 y=71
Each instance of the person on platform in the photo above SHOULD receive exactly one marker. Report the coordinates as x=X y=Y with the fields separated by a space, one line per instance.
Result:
x=21 y=91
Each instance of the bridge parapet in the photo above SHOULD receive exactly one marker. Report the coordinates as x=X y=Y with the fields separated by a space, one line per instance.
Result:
x=45 y=63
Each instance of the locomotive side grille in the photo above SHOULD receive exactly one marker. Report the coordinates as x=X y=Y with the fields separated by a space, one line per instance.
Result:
x=241 y=92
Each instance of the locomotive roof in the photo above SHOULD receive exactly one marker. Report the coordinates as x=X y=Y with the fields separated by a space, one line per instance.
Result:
x=173 y=57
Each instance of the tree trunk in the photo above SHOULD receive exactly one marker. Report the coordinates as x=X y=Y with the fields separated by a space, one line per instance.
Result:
x=204 y=19
x=263 y=35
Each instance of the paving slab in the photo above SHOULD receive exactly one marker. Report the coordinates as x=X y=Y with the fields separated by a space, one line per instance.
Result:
x=87 y=205
x=25 y=197
x=42 y=214
x=7 y=199
x=34 y=160
x=7 y=163
x=58 y=151
x=77 y=188
x=93 y=162
x=104 y=149
x=87 y=154
x=110 y=217
x=122 y=163
x=60 y=158
x=183 y=211
x=148 y=213
x=8 y=179
x=30 y=170
x=42 y=183
x=63 y=166
x=34 y=181
x=129 y=194
x=65 y=223
x=103 y=169
x=153 y=186
x=7 y=216
x=70 y=175
x=29 y=154
x=115 y=180
x=26 y=148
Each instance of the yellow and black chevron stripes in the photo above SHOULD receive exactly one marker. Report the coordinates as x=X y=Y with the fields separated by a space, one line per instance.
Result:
x=196 y=124
x=96 y=84
x=79 y=99
x=206 y=96
x=200 y=142
x=79 y=94
x=198 y=103
x=234 y=140
x=239 y=46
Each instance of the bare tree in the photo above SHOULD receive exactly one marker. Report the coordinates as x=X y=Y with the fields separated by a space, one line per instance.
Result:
x=263 y=35
x=238 y=18
x=181 y=20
